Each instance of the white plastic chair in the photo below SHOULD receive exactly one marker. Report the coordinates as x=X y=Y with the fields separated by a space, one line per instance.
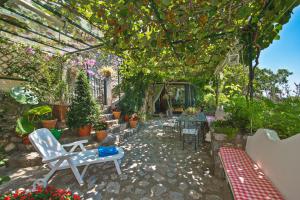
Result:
x=57 y=158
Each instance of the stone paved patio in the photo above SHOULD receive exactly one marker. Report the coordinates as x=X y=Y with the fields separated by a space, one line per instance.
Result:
x=154 y=167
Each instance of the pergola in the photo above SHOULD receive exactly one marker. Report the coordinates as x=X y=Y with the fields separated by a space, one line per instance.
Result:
x=41 y=23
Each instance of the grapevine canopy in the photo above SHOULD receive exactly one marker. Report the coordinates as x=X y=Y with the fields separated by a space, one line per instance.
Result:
x=170 y=37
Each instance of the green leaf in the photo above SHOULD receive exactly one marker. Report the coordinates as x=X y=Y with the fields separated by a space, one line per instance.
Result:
x=4 y=179
x=166 y=2
x=23 y=96
x=24 y=126
x=40 y=110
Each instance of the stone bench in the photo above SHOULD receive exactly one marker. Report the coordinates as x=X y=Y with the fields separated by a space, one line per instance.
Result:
x=268 y=169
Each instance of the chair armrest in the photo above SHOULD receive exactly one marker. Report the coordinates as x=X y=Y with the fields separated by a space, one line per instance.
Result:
x=75 y=143
x=54 y=158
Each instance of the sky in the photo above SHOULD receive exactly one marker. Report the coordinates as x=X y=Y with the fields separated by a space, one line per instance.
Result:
x=285 y=53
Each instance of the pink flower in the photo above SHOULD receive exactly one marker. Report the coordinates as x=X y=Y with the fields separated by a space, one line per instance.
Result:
x=90 y=62
x=90 y=72
x=30 y=51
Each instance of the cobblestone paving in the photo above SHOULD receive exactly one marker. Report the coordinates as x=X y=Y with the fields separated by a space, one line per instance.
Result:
x=154 y=167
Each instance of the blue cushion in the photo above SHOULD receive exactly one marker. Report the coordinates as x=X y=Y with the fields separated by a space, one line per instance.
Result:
x=107 y=151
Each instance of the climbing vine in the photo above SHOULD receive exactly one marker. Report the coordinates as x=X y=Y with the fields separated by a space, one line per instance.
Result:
x=182 y=36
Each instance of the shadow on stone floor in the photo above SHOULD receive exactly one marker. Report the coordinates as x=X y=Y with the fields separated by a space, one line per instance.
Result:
x=154 y=167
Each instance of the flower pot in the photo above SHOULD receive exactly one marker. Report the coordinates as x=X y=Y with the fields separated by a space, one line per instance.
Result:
x=25 y=140
x=49 y=124
x=126 y=118
x=133 y=123
x=101 y=135
x=60 y=112
x=85 y=131
x=116 y=114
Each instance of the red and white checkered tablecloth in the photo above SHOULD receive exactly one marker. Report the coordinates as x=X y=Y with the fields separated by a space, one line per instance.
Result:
x=246 y=179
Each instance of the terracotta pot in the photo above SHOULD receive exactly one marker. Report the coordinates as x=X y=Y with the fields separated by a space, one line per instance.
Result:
x=133 y=123
x=25 y=140
x=49 y=124
x=101 y=135
x=60 y=112
x=126 y=118
x=116 y=114
x=85 y=131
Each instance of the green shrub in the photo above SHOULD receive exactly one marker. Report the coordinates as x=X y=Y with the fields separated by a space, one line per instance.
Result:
x=282 y=116
x=239 y=113
x=83 y=108
x=99 y=126
x=225 y=127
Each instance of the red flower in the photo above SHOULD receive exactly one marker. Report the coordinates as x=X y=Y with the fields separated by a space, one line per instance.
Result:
x=76 y=197
x=7 y=198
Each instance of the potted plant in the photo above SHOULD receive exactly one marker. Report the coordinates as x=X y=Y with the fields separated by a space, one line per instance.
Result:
x=47 y=119
x=100 y=129
x=29 y=120
x=191 y=111
x=126 y=117
x=107 y=71
x=116 y=113
x=83 y=108
x=133 y=120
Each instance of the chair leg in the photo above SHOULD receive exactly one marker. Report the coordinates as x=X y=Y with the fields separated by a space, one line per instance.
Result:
x=182 y=141
x=117 y=166
x=195 y=137
x=84 y=171
x=76 y=173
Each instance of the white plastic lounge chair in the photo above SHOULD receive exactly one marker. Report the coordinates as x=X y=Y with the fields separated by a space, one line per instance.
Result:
x=57 y=158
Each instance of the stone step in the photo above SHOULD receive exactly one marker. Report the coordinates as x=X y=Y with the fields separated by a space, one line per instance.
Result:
x=108 y=116
x=112 y=122
x=123 y=126
x=114 y=129
x=106 y=109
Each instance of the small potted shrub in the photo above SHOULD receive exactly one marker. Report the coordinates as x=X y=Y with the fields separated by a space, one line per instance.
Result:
x=133 y=121
x=83 y=108
x=100 y=129
x=29 y=120
x=48 y=121
x=191 y=111
x=107 y=71
x=116 y=113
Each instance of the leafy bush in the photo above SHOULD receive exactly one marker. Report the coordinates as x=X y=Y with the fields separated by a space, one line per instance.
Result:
x=239 y=113
x=40 y=194
x=225 y=127
x=282 y=116
x=98 y=126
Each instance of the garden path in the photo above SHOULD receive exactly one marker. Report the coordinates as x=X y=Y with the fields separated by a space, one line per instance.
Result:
x=154 y=167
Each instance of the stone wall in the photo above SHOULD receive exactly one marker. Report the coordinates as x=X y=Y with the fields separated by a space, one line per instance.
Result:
x=9 y=112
